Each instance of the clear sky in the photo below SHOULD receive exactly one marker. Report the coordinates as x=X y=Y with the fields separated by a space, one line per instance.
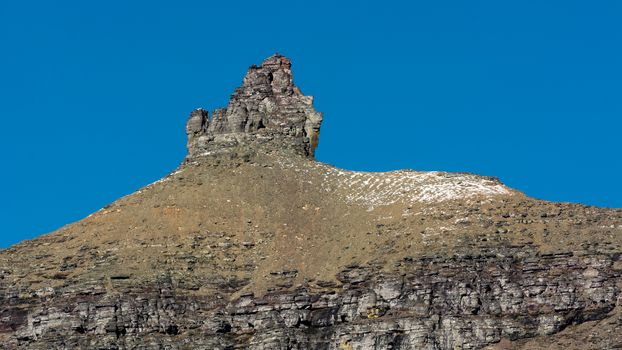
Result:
x=94 y=95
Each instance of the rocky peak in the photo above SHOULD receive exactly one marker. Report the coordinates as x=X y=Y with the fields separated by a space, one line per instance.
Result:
x=267 y=113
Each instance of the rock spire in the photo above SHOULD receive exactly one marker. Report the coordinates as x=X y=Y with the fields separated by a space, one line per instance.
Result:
x=267 y=113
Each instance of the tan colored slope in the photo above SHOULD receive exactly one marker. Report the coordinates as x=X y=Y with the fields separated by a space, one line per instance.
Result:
x=272 y=217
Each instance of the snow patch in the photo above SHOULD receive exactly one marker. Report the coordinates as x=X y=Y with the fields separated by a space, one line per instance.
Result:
x=386 y=188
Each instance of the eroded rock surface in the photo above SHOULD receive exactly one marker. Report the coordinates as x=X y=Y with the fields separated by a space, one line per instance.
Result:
x=465 y=302
x=268 y=113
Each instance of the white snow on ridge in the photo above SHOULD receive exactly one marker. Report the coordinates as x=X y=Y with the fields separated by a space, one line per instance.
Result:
x=378 y=189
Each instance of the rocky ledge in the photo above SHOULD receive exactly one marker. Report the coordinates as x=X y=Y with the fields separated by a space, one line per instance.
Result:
x=460 y=302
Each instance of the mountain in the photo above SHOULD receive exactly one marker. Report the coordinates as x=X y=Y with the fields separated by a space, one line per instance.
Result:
x=252 y=244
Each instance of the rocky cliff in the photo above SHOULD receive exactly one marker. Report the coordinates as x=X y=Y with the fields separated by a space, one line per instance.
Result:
x=268 y=112
x=251 y=244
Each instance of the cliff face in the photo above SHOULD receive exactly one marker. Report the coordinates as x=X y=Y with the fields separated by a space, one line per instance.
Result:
x=252 y=244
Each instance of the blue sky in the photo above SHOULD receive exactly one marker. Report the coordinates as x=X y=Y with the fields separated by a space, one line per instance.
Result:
x=94 y=95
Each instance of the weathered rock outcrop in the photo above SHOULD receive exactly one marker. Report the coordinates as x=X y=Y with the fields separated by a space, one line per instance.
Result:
x=465 y=302
x=251 y=244
x=268 y=113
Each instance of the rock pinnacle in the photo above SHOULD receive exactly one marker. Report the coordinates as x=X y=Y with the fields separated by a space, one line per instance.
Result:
x=268 y=113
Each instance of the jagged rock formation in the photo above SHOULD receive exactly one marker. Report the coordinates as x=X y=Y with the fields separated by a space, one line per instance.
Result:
x=268 y=112
x=251 y=244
